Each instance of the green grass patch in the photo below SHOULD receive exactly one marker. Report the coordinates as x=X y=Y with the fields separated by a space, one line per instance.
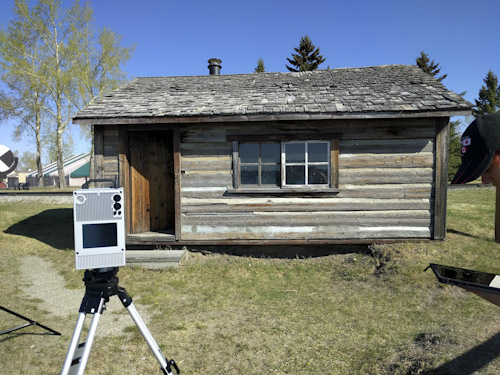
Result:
x=365 y=312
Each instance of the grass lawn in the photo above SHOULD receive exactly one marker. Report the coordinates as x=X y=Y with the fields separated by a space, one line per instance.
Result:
x=370 y=311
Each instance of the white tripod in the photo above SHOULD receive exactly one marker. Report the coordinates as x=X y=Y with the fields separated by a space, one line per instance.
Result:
x=101 y=284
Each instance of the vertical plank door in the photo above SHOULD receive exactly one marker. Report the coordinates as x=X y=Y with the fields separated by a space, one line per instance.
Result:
x=151 y=181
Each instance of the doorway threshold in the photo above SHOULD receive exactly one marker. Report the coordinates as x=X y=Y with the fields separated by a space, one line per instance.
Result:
x=150 y=238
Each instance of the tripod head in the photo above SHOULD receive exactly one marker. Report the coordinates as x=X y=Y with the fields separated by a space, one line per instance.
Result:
x=101 y=282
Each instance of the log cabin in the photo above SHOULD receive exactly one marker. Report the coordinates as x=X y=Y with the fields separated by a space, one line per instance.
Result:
x=340 y=156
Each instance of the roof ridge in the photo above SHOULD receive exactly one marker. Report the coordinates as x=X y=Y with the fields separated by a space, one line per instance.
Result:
x=274 y=73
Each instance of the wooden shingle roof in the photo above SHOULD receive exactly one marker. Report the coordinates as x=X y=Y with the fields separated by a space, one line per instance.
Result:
x=372 y=92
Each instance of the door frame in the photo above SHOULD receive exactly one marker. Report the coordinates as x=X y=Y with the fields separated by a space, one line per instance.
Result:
x=124 y=171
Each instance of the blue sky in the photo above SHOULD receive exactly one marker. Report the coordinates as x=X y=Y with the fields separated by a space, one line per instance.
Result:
x=176 y=38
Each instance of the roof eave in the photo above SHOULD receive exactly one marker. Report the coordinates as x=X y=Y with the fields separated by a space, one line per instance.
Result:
x=267 y=117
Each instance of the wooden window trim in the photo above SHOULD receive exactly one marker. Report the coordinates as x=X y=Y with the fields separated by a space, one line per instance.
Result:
x=332 y=188
x=283 y=137
x=283 y=191
x=334 y=163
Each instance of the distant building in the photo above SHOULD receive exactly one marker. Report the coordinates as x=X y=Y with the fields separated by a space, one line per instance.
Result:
x=15 y=178
x=74 y=171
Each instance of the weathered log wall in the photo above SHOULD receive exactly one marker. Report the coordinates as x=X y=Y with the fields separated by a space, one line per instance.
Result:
x=386 y=182
x=106 y=152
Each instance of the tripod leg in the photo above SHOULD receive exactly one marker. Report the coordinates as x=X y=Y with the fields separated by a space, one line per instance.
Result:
x=90 y=337
x=75 y=362
x=166 y=366
x=73 y=343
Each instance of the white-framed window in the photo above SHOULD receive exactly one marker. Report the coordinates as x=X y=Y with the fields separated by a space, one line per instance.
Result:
x=305 y=163
x=266 y=163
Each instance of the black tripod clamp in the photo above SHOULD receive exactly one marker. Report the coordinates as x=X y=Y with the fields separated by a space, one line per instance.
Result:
x=98 y=284
x=171 y=364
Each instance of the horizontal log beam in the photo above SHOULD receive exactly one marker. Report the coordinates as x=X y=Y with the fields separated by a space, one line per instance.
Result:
x=144 y=241
x=209 y=232
x=366 y=205
x=312 y=220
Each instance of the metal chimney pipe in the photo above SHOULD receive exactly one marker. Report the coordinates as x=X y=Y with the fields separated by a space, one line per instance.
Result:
x=214 y=66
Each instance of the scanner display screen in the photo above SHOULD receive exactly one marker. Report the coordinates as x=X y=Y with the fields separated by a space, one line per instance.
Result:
x=99 y=235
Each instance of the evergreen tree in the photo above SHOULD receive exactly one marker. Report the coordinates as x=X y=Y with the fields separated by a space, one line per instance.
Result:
x=489 y=96
x=260 y=66
x=428 y=66
x=455 y=159
x=306 y=58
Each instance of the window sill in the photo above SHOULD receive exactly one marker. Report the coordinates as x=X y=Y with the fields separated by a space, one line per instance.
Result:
x=283 y=191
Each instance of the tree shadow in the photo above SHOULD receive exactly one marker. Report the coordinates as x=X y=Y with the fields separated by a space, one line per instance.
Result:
x=460 y=233
x=53 y=227
x=473 y=360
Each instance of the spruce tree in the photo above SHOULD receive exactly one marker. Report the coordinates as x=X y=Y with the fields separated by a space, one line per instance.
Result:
x=455 y=160
x=306 y=58
x=260 y=66
x=489 y=95
x=428 y=66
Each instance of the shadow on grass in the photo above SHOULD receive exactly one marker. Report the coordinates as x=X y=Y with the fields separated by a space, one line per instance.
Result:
x=53 y=227
x=460 y=233
x=473 y=360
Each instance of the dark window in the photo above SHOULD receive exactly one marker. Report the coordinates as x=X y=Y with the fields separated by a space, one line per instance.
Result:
x=259 y=164
x=307 y=163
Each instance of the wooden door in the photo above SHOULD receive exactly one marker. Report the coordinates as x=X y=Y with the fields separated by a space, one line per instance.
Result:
x=151 y=182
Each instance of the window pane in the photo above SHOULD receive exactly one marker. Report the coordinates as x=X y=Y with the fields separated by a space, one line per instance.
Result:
x=317 y=152
x=249 y=153
x=295 y=175
x=270 y=152
x=249 y=175
x=295 y=152
x=318 y=174
x=270 y=175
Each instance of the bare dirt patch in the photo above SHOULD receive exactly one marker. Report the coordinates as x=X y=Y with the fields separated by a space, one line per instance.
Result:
x=46 y=285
